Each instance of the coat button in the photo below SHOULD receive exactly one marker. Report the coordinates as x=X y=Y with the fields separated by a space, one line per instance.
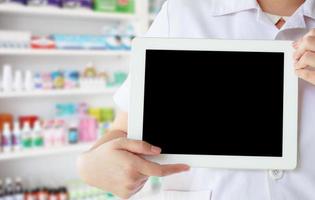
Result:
x=276 y=174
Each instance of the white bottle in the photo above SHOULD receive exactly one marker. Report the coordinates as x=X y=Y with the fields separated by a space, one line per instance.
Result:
x=18 y=189
x=7 y=139
x=17 y=140
x=7 y=78
x=27 y=136
x=18 y=81
x=29 y=81
x=8 y=186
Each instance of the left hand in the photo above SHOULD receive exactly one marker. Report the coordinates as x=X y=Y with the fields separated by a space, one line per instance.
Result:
x=304 y=57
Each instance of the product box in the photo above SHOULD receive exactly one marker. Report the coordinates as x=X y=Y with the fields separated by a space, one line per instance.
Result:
x=125 y=6
x=77 y=4
x=14 y=39
x=105 y=5
x=80 y=42
x=14 y=2
x=122 y=6
x=49 y=3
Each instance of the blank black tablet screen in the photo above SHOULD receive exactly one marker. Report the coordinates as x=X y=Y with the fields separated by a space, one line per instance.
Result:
x=214 y=102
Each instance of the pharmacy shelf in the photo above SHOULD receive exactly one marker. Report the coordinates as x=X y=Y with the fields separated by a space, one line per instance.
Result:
x=61 y=92
x=42 y=152
x=56 y=52
x=63 y=13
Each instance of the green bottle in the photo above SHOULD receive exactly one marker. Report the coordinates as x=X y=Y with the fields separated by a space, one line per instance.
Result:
x=37 y=138
x=26 y=136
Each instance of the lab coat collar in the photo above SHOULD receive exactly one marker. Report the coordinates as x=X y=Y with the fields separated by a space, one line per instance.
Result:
x=293 y=22
x=224 y=7
x=309 y=8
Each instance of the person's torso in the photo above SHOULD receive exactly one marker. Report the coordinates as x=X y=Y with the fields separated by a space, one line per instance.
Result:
x=221 y=20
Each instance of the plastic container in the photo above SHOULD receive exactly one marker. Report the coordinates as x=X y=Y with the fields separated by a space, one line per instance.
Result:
x=26 y=136
x=7 y=78
x=31 y=119
x=71 y=79
x=29 y=81
x=16 y=141
x=73 y=133
x=5 y=118
x=58 y=79
x=37 y=136
x=7 y=138
x=18 y=81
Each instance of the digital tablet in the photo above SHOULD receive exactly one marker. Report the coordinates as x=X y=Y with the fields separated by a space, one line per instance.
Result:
x=215 y=103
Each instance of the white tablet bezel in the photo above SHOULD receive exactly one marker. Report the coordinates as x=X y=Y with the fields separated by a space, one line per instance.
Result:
x=290 y=105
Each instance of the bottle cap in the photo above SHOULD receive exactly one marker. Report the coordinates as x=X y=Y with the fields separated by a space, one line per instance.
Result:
x=18 y=179
x=8 y=181
x=37 y=126
x=27 y=125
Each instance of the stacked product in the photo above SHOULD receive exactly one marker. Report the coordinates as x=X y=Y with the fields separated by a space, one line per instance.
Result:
x=10 y=189
x=14 y=190
x=80 y=191
x=114 y=37
x=59 y=79
x=120 y=6
x=74 y=190
x=14 y=39
x=73 y=123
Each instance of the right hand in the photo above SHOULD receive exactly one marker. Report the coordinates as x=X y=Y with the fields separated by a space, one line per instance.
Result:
x=117 y=166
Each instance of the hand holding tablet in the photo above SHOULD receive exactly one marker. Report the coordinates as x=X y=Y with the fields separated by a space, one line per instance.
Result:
x=215 y=103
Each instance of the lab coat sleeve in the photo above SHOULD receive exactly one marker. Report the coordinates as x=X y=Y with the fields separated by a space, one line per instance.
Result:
x=159 y=28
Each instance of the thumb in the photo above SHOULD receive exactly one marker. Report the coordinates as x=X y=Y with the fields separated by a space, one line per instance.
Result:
x=136 y=146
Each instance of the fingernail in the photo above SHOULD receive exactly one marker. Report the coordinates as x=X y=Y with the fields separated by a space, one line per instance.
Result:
x=187 y=168
x=294 y=44
x=155 y=149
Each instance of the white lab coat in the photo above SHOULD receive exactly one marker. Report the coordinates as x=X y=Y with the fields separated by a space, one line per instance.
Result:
x=240 y=19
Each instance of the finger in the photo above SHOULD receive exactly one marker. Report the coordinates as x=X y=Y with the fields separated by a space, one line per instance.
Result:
x=307 y=60
x=306 y=75
x=297 y=43
x=137 y=146
x=311 y=32
x=154 y=169
x=306 y=44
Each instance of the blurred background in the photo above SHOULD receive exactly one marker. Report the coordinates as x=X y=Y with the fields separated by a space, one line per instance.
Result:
x=61 y=62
